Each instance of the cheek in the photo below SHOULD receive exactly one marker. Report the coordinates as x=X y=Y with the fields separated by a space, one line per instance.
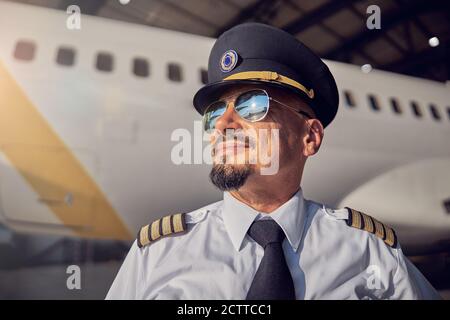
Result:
x=290 y=138
x=213 y=137
x=277 y=137
x=288 y=134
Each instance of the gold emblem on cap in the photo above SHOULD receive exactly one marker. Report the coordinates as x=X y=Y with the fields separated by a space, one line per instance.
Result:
x=228 y=66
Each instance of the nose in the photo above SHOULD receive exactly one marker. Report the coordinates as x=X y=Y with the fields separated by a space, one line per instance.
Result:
x=229 y=120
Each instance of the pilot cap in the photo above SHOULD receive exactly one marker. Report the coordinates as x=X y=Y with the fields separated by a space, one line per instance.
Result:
x=258 y=53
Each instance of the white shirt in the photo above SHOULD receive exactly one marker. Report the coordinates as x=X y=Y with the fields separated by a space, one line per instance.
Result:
x=216 y=259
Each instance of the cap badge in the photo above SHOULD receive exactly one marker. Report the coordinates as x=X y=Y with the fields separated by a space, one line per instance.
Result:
x=228 y=61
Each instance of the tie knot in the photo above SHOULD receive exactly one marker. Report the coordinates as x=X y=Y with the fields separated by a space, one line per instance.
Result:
x=265 y=232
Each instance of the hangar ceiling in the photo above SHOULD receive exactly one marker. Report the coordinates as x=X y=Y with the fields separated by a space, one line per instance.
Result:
x=336 y=30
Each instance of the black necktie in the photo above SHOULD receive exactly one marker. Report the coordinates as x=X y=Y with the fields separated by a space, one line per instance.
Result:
x=272 y=280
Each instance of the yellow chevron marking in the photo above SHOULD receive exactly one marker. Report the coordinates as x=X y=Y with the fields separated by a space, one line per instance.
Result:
x=29 y=143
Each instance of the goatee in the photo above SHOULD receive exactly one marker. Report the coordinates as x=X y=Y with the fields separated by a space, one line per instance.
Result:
x=228 y=177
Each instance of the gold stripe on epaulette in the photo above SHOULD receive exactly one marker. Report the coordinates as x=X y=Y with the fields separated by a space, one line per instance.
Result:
x=143 y=236
x=368 y=223
x=356 y=219
x=359 y=220
x=178 y=225
x=160 y=228
x=166 y=227
x=391 y=238
x=379 y=229
x=154 y=234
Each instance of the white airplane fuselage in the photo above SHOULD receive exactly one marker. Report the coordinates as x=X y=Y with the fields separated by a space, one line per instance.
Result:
x=111 y=132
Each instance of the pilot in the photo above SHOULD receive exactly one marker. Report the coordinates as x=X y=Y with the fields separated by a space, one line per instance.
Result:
x=267 y=91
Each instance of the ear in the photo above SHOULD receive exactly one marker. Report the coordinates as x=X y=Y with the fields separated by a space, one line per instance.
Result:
x=313 y=137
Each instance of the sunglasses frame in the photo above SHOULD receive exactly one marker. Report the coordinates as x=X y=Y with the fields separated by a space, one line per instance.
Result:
x=236 y=96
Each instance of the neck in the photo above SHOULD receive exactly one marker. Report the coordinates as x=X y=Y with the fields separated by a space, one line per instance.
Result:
x=267 y=193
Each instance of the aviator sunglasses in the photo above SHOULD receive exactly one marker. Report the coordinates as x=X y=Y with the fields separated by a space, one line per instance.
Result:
x=252 y=106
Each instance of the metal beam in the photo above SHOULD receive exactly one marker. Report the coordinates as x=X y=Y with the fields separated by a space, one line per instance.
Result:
x=246 y=14
x=388 y=22
x=316 y=16
x=231 y=4
x=190 y=14
x=417 y=61
x=87 y=6
x=348 y=59
x=426 y=32
x=408 y=36
x=386 y=36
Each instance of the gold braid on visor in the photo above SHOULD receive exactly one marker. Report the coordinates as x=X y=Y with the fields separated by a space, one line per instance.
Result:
x=270 y=76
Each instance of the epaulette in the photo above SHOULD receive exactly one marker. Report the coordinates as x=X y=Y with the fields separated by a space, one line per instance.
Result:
x=359 y=220
x=163 y=227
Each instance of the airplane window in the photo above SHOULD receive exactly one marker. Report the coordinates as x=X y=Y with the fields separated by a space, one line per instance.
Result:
x=65 y=56
x=349 y=99
x=140 y=67
x=435 y=112
x=374 y=103
x=395 y=106
x=203 y=76
x=104 y=62
x=24 y=50
x=174 y=72
x=416 y=109
x=447 y=205
x=448 y=112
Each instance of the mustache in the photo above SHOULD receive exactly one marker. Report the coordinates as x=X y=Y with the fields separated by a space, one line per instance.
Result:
x=248 y=141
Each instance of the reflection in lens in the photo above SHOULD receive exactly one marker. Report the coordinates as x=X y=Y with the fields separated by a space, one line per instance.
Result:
x=252 y=105
x=212 y=113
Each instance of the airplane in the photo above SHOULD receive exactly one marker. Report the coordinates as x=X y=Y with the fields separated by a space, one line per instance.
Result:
x=87 y=117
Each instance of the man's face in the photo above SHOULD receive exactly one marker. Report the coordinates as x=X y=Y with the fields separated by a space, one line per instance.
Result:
x=241 y=149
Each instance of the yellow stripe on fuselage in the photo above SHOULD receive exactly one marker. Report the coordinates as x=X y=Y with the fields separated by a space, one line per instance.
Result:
x=28 y=141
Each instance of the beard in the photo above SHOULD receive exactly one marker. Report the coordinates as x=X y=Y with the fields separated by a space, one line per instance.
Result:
x=227 y=177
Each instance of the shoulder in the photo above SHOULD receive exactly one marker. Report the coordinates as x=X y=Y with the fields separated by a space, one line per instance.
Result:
x=173 y=225
x=353 y=224
x=352 y=240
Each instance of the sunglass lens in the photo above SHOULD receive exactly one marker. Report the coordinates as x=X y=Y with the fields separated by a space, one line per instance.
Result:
x=252 y=105
x=212 y=113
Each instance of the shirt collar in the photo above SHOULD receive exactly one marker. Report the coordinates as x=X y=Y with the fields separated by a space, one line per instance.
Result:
x=238 y=217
